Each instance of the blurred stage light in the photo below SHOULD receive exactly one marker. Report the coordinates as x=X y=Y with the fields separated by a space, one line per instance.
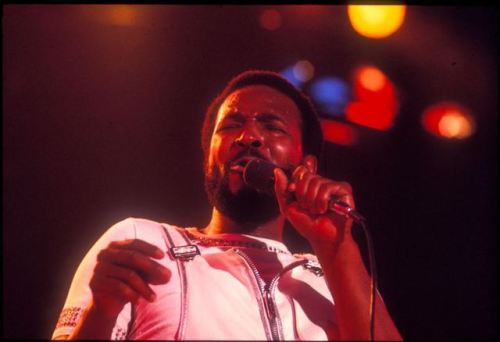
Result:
x=289 y=75
x=303 y=71
x=375 y=103
x=371 y=78
x=123 y=15
x=339 y=133
x=376 y=21
x=448 y=120
x=331 y=94
x=300 y=72
x=270 y=19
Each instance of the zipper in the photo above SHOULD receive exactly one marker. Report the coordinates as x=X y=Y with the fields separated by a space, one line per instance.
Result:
x=270 y=313
x=267 y=291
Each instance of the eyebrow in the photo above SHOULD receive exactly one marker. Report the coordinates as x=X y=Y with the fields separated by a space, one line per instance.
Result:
x=264 y=117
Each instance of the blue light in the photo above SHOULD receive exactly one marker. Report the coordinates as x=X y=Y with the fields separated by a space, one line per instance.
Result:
x=288 y=74
x=331 y=94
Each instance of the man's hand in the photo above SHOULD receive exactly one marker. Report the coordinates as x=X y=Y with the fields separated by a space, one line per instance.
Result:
x=123 y=273
x=307 y=208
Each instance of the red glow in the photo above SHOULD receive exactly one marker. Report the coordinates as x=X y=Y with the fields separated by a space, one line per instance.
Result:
x=376 y=105
x=339 y=133
x=270 y=19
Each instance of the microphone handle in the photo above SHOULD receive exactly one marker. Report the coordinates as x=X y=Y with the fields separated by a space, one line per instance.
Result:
x=343 y=208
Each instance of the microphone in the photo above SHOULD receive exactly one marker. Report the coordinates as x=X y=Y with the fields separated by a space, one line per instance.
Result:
x=258 y=174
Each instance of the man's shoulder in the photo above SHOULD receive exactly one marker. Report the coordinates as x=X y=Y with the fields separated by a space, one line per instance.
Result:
x=139 y=222
x=137 y=227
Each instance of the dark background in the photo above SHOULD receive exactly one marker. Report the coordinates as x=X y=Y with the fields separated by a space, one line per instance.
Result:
x=101 y=122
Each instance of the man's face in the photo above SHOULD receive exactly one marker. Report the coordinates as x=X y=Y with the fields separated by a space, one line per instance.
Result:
x=253 y=122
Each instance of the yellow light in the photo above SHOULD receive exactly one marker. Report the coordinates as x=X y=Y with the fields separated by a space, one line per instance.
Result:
x=376 y=21
x=303 y=71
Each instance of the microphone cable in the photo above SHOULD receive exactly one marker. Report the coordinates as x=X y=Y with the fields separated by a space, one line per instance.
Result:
x=361 y=221
x=373 y=271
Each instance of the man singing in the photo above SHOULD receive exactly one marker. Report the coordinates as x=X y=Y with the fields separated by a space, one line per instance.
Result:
x=235 y=279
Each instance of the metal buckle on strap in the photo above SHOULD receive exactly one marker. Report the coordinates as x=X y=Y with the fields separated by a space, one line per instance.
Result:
x=314 y=267
x=185 y=253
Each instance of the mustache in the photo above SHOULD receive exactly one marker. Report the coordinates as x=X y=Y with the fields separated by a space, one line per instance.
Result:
x=249 y=152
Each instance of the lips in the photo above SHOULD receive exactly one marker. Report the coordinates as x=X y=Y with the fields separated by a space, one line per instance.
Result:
x=239 y=164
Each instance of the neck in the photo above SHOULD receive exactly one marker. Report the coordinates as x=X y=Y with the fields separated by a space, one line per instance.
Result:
x=220 y=224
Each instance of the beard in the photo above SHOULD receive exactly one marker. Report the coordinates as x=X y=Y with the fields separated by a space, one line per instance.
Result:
x=248 y=207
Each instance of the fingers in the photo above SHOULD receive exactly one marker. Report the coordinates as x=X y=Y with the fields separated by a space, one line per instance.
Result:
x=280 y=188
x=124 y=272
x=313 y=193
x=136 y=261
x=112 y=292
x=127 y=277
x=139 y=246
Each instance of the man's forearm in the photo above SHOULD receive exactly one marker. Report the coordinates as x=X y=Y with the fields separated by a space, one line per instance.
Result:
x=349 y=283
x=94 y=326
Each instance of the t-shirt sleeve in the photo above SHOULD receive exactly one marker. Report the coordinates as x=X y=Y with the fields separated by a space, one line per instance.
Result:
x=80 y=296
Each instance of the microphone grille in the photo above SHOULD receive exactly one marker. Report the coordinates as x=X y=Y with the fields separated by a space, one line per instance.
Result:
x=259 y=175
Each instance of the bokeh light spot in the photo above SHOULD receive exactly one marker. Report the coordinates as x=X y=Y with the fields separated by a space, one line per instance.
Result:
x=303 y=71
x=339 y=133
x=375 y=104
x=448 y=120
x=270 y=19
x=331 y=94
x=371 y=78
x=376 y=21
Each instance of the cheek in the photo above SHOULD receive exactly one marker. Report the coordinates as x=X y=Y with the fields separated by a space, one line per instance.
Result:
x=286 y=152
x=218 y=152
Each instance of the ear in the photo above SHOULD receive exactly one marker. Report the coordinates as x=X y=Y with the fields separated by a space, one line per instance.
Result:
x=311 y=163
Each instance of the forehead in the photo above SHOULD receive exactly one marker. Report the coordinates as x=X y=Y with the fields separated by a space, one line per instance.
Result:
x=257 y=99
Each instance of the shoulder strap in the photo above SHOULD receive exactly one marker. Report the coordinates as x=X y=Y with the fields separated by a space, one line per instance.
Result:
x=181 y=250
x=179 y=245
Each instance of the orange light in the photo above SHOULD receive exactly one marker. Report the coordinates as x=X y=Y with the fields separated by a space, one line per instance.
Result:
x=303 y=71
x=448 y=120
x=123 y=15
x=376 y=21
x=371 y=78
x=270 y=19
x=339 y=133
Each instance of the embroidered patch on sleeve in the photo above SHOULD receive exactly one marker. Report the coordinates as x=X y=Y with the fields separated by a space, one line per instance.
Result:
x=69 y=317
x=119 y=334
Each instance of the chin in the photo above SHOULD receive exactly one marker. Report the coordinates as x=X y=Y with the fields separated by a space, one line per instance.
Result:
x=242 y=204
x=236 y=183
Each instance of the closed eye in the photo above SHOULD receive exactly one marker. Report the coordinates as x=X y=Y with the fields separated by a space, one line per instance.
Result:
x=275 y=128
x=228 y=127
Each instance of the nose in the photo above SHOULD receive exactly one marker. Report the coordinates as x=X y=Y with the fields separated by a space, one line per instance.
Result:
x=250 y=137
